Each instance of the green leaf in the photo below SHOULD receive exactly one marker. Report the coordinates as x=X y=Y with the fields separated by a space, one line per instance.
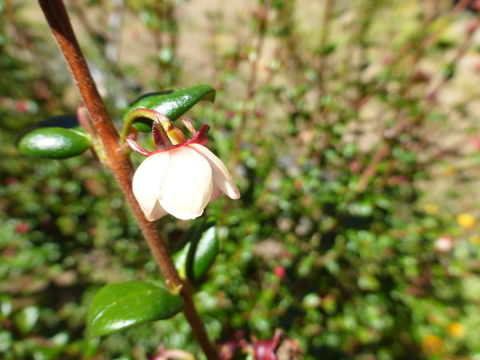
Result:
x=119 y=306
x=172 y=104
x=26 y=319
x=54 y=143
x=6 y=341
x=5 y=307
x=202 y=254
x=180 y=261
x=194 y=260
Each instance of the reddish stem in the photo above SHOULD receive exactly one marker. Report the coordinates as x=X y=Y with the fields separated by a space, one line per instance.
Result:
x=117 y=159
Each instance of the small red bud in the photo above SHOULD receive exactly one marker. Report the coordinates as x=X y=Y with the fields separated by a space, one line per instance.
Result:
x=22 y=228
x=280 y=271
x=21 y=106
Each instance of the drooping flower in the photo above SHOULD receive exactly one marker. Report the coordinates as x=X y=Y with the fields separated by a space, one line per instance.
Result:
x=182 y=176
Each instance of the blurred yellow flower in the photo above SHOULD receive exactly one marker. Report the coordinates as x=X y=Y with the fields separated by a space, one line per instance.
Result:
x=432 y=344
x=466 y=220
x=431 y=209
x=475 y=239
x=455 y=329
x=449 y=171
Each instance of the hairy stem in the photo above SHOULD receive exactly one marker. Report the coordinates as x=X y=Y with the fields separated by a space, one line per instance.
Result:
x=117 y=160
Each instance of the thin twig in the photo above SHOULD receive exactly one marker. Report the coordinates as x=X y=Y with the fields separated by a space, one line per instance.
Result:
x=386 y=147
x=117 y=160
x=427 y=39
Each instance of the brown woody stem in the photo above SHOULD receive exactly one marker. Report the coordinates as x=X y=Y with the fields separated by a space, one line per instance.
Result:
x=118 y=160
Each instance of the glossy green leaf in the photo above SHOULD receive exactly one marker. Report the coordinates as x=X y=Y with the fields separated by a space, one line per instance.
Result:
x=122 y=305
x=54 y=143
x=172 y=104
x=202 y=254
x=194 y=260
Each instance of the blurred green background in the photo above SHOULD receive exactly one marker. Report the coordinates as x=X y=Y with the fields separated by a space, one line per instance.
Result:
x=351 y=127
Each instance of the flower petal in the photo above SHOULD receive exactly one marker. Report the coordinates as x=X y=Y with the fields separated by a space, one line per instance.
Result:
x=187 y=188
x=216 y=192
x=221 y=176
x=148 y=179
x=157 y=212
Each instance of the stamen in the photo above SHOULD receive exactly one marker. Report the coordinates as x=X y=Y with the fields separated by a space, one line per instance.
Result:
x=201 y=135
x=159 y=135
x=137 y=148
x=188 y=124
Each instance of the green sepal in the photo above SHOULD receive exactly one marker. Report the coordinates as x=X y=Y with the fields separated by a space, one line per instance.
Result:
x=122 y=305
x=54 y=142
x=172 y=104
x=195 y=259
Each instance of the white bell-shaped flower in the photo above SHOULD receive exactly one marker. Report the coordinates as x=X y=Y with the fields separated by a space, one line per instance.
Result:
x=182 y=179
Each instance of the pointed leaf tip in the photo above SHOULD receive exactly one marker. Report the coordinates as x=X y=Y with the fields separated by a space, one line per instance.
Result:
x=172 y=104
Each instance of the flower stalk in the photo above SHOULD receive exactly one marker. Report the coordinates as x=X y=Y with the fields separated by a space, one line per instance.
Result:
x=118 y=160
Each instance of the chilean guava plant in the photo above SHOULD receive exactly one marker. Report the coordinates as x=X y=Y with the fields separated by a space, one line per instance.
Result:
x=180 y=176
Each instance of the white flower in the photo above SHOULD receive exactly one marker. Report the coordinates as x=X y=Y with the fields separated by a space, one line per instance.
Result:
x=444 y=244
x=181 y=181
